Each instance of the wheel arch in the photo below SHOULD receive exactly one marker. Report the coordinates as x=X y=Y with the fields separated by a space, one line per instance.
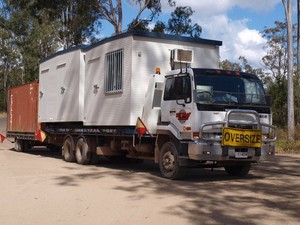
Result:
x=163 y=138
x=169 y=163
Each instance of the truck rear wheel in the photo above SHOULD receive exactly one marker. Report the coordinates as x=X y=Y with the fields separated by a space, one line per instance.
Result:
x=238 y=170
x=83 y=153
x=168 y=162
x=68 y=149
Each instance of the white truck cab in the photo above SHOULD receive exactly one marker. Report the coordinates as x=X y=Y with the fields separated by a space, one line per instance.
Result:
x=211 y=116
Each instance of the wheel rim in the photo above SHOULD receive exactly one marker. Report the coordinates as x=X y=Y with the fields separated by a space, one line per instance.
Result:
x=168 y=161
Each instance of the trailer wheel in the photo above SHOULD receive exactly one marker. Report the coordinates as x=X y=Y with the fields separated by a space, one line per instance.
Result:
x=168 y=162
x=68 y=150
x=238 y=170
x=21 y=145
x=18 y=145
x=83 y=153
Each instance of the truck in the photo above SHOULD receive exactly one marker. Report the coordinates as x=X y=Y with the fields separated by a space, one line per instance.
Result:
x=146 y=96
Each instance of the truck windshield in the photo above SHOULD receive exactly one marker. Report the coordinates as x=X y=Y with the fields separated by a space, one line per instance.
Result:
x=227 y=89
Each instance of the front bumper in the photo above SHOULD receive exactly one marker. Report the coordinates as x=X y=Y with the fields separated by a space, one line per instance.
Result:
x=209 y=147
x=214 y=151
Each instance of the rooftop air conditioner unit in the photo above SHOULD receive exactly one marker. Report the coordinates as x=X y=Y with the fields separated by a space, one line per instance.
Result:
x=182 y=55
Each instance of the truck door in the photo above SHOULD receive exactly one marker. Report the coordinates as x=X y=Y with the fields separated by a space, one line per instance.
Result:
x=177 y=102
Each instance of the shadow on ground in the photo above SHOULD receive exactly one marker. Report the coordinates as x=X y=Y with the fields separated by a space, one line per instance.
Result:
x=209 y=196
x=212 y=196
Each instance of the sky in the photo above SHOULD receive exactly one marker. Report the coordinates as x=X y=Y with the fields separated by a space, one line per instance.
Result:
x=237 y=23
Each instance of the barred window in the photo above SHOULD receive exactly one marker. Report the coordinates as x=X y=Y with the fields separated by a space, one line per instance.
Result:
x=114 y=71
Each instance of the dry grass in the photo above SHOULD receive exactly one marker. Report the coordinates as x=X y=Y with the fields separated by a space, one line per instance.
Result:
x=283 y=145
x=2 y=114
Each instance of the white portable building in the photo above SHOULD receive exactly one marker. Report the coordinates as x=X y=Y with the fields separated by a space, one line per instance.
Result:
x=61 y=86
x=106 y=84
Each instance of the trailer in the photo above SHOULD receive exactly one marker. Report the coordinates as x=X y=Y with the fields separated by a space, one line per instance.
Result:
x=105 y=100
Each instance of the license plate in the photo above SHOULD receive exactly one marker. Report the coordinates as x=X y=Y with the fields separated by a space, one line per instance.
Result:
x=241 y=137
x=241 y=155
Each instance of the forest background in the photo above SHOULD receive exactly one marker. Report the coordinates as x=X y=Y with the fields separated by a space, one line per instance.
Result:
x=31 y=30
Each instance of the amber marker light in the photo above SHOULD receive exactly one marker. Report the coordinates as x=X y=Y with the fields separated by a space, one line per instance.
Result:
x=157 y=70
x=196 y=135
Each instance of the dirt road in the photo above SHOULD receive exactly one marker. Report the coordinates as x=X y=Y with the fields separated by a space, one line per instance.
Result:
x=38 y=187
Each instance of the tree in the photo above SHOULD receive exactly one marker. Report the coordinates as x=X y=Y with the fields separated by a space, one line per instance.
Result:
x=112 y=11
x=39 y=28
x=10 y=58
x=276 y=63
x=31 y=30
x=180 y=23
x=298 y=39
x=75 y=20
x=290 y=100
x=159 y=27
x=228 y=65
x=276 y=59
x=242 y=66
x=33 y=34
x=79 y=21
x=142 y=26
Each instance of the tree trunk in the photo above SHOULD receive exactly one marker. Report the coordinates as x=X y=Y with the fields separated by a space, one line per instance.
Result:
x=291 y=118
x=120 y=16
x=298 y=40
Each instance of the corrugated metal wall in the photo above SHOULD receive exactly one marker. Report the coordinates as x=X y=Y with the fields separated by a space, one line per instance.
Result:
x=23 y=108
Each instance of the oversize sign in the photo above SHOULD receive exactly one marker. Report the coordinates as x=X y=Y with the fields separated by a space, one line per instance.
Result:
x=241 y=138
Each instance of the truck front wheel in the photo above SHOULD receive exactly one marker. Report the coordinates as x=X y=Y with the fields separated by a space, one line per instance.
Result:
x=83 y=153
x=238 y=170
x=168 y=162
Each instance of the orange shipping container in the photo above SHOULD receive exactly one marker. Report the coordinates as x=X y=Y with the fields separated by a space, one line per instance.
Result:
x=22 y=108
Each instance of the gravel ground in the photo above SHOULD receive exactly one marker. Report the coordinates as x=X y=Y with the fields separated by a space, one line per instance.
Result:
x=38 y=187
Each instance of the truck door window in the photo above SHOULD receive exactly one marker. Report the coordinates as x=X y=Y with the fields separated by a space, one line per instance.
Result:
x=178 y=88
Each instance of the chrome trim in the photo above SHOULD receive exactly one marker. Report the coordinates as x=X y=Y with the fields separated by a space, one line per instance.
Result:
x=227 y=122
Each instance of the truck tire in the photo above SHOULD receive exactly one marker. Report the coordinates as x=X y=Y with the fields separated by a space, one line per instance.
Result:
x=168 y=162
x=238 y=170
x=82 y=151
x=21 y=145
x=68 y=149
x=18 y=145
